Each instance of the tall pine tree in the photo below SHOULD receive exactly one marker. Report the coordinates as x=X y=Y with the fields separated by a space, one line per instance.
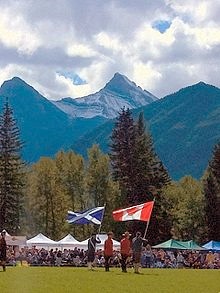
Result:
x=11 y=173
x=152 y=175
x=136 y=165
x=122 y=155
x=152 y=178
x=212 y=195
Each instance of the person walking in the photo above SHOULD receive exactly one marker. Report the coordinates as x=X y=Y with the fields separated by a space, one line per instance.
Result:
x=125 y=250
x=91 y=249
x=108 y=250
x=137 y=245
x=3 y=249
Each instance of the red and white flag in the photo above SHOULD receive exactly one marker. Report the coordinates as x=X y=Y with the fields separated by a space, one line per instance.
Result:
x=141 y=212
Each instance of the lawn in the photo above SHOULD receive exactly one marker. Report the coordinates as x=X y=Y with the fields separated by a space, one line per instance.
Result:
x=61 y=280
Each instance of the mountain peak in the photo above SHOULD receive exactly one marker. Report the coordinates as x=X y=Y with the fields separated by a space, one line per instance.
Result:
x=119 y=92
x=16 y=81
x=200 y=86
x=119 y=81
x=16 y=88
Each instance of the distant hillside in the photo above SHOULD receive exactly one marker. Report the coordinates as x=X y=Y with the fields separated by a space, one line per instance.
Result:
x=119 y=92
x=45 y=129
x=185 y=126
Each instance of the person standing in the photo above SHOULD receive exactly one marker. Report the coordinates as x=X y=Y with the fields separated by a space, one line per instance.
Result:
x=137 y=244
x=108 y=250
x=91 y=249
x=148 y=256
x=125 y=251
x=3 y=249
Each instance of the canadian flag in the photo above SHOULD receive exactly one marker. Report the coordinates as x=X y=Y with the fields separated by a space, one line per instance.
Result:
x=141 y=212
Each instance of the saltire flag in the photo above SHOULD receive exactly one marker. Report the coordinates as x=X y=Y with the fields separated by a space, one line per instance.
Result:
x=94 y=216
x=141 y=212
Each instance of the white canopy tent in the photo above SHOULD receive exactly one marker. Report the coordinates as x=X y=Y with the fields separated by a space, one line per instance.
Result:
x=41 y=241
x=102 y=237
x=68 y=242
x=15 y=240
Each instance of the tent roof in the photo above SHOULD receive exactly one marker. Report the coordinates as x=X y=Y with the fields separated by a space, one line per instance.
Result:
x=212 y=245
x=6 y=233
x=102 y=237
x=174 y=244
x=16 y=240
x=40 y=239
x=68 y=239
x=191 y=245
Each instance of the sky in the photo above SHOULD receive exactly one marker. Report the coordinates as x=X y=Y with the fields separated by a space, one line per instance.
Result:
x=73 y=48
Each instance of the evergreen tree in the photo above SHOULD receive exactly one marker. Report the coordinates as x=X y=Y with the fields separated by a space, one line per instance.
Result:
x=123 y=156
x=140 y=172
x=151 y=178
x=151 y=173
x=12 y=176
x=212 y=195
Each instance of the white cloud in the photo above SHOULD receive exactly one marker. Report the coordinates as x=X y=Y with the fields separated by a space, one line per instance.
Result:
x=40 y=38
x=146 y=75
x=80 y=50
x=15 y=32
x=71 y=89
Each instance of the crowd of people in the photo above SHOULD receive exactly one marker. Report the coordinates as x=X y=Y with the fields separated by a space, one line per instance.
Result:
x=134 y=253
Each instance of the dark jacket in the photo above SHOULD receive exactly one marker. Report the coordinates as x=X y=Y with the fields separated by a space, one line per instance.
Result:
x=3 y=248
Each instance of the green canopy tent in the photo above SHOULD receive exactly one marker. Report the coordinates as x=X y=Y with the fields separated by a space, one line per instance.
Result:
x=191 y=245
x=175 y=244
x=170 y=244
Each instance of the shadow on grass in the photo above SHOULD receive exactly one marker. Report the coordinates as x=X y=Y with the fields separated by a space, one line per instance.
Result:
x=140 y=274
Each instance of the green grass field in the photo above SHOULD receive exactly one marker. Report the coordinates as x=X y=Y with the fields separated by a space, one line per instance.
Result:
x=52 y=279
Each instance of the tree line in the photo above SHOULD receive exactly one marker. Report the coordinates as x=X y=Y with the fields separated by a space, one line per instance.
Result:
x=35 y=198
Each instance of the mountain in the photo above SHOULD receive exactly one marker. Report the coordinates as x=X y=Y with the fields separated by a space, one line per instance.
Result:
x=185 y=127
x=119 y=92
x=45 y=129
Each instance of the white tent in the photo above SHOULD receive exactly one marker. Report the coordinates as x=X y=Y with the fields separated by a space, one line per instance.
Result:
x=15 y=240
x=6 y=233
x=68 y=242
x=83 y=244
x=41 y=241
x=102 y=237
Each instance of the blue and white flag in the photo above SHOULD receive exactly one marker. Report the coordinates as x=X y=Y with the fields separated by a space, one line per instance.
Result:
x=94 y=216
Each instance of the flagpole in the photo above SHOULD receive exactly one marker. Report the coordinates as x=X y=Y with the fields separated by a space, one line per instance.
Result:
x=145 y=232
x=101 y=220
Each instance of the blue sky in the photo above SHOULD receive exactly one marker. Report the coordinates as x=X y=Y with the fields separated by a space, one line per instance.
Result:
x=161 y=25
x=75 y=48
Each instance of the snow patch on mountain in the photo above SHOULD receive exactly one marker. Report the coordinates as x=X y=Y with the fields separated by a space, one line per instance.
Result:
x=119 y=92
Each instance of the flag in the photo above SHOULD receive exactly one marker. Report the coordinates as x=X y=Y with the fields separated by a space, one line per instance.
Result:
x=141 y=212
x=94 y=216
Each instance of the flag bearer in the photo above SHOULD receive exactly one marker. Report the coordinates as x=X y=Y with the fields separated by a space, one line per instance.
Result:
x=91 y=249
x=108 y=250
x=125 y=251
x=3 y=248
x=137 y=244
